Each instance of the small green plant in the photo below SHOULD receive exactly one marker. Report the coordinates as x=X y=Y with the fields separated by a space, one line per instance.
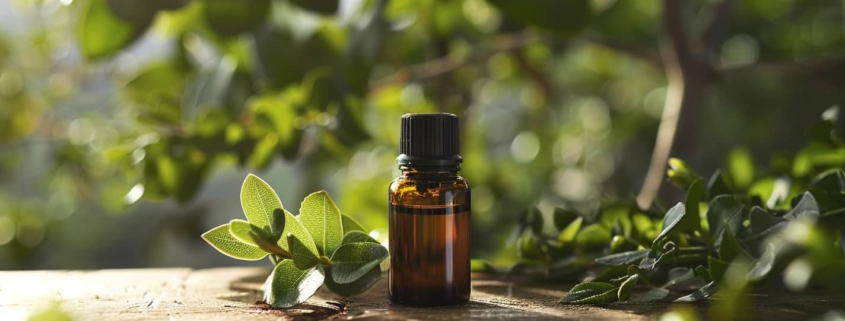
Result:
x=736 y=231
x=318 y=246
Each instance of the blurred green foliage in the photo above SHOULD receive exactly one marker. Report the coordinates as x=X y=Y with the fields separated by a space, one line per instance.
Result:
x=108 y=104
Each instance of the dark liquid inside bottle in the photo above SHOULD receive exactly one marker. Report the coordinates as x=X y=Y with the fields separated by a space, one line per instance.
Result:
x=429 y=254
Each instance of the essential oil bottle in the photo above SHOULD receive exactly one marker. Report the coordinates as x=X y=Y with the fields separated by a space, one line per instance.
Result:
x=429 y=213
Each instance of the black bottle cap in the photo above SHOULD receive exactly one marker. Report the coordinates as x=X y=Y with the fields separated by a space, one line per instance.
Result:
x=429 y=140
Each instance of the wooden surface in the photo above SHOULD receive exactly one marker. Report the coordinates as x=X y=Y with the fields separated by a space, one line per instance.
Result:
x=232 y=293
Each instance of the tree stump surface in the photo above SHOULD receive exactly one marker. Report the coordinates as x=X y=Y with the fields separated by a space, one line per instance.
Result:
x=232 y=293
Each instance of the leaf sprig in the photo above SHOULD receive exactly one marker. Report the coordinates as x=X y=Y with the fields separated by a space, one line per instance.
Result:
x=733 y=230
x=318 y=246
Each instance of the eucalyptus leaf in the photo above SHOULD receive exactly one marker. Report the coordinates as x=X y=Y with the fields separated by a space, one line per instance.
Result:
x=624 y=258
x=761 y=222
x=357 y=237
x=625 y=289
x=567 y=235
x=651 y=263
x=806 y=207
x=592 y=237
x=288 y=286
x=679 y=275
x=350 y=224
x=258 y=201
x=351 y=261
x=702 y=293
x=591 y=292
x=764 y=264
x=691 y=221
x=717 y=186
x=652 y=295
x=277 y=224
x=356 y=287
x=222 y=240
x=717 y=268
x=723 y=211
x=240 y=230
x=322 y=219
x=563 y=217
x=303 y=256
x=730 y=249
x=673 y=217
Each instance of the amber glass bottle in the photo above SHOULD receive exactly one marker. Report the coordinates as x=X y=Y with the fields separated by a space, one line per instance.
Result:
x=429 y=212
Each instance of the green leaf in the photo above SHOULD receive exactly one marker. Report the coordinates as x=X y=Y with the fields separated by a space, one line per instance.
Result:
x=832 y=181
x=761 y=222
x=651 y=263
x=729 y=250
x=290 y=286
x=267 y=245
x=357 y=237
x=259 y=201
x=481 y=266
x=220 y=238
x=691 y=221
x=352 y=261
x=717 y=185
x=350 y=224
x=723 y=211
x=240 y=230
x=356 y=287
x=318 y=6
x=702 y=293
x=679 y=275
x=303 y=257
x=627 y=286
x=764 y=264
x=530 y=247
x=277 y=224
x=102 y=34
x=680 y=174
x=652 y=295
x=717 y=268
x=806 y=207
x=534 y=219
x=232 y=17
x=321 y=218
x=590 y=292
x=563 y=217
x=564 y=18
x=741 y=167
x=294 y=226
x=674 y=216
x=624 y=258
x=593 y=237
x=567 y=235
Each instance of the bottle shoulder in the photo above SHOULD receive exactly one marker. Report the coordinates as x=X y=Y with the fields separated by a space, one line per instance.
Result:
x=428 y=190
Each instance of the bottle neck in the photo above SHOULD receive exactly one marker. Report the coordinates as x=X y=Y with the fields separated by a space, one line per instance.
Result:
x=414 y=170
x=429 y=164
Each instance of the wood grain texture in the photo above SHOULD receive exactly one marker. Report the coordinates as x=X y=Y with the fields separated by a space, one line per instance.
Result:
x=232 y=293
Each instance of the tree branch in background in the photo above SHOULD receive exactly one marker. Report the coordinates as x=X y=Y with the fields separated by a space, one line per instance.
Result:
x=537 y=75
x=717 y=27
x=447 y=64
x=687 y=77
x=644 y=54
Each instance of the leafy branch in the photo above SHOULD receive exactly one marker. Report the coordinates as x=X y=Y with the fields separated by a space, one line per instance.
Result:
x=318 y=246
x=736 y=230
